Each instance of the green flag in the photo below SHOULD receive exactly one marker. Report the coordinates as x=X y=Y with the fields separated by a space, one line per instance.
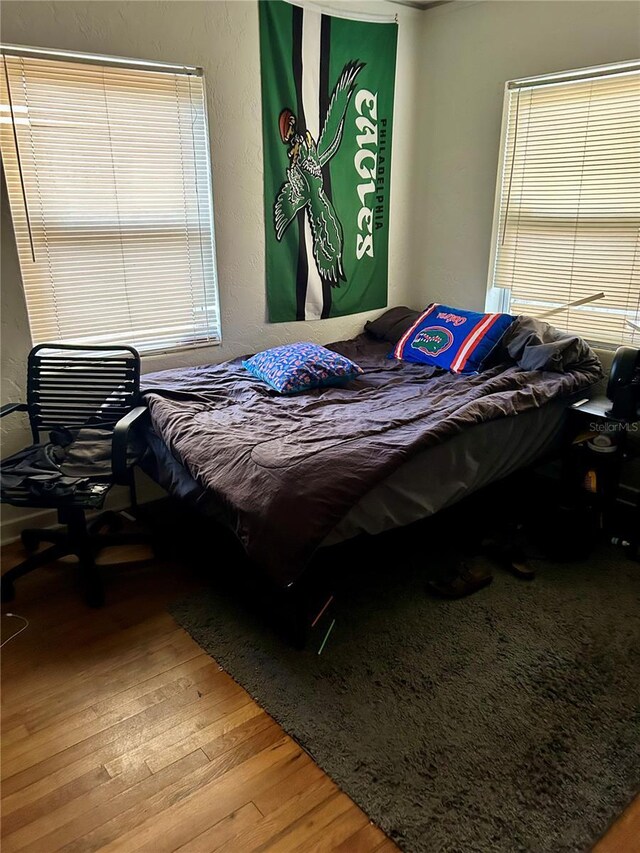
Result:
x=327 y=117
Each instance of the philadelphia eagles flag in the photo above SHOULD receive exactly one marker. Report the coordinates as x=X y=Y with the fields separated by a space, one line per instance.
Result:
x=327 y=117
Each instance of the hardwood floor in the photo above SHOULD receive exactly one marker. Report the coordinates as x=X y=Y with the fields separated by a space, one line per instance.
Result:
x=120 y=734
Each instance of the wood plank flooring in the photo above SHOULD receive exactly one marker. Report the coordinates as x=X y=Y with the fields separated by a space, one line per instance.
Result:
x=120 y=734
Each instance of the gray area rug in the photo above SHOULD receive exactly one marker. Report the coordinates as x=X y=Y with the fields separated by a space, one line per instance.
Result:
x=508 y=721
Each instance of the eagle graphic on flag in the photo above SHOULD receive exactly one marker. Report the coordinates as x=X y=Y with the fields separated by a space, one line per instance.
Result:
x=304 y=187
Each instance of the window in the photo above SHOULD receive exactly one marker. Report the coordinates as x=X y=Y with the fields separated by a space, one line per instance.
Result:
x=567 y=221
x=107 y=170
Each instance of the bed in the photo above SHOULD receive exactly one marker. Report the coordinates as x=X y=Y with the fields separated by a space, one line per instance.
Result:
x=400 y=443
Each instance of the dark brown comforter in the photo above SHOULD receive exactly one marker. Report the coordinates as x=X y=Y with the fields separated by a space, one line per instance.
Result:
x=287 y=469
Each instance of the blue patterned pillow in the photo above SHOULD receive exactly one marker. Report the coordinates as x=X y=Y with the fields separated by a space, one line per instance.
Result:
x=299 y=367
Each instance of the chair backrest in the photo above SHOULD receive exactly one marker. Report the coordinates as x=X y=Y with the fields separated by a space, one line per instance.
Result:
x=72 y=386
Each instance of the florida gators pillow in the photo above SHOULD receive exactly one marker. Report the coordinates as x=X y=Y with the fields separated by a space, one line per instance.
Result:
x=452 y=338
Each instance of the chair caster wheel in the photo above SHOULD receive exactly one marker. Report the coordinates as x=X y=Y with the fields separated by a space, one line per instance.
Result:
x=30 y=541
x=7 y=590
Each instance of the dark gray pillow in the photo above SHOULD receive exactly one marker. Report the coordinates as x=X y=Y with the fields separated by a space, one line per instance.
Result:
x=392 y=325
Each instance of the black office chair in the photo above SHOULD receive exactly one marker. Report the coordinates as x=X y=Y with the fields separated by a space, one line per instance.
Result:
x=71 y=388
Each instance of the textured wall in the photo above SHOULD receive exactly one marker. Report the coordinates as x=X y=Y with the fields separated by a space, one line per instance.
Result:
x=468 y=52
x=222 y=37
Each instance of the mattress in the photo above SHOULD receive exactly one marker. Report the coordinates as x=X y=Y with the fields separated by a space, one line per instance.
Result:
x=432 y=480
x=442 y=475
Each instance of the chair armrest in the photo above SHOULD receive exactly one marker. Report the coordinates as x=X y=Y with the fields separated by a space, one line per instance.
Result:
x=120 y=443
x=12 y=407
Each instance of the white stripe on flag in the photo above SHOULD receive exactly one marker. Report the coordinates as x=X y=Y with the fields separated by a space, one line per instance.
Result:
x=311 y=23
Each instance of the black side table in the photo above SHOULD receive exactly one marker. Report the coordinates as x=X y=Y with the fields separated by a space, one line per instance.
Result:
x=597 y=452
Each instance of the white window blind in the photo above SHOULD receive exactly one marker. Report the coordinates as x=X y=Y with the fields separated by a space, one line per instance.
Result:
x=108 y=176
x=567 y=224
